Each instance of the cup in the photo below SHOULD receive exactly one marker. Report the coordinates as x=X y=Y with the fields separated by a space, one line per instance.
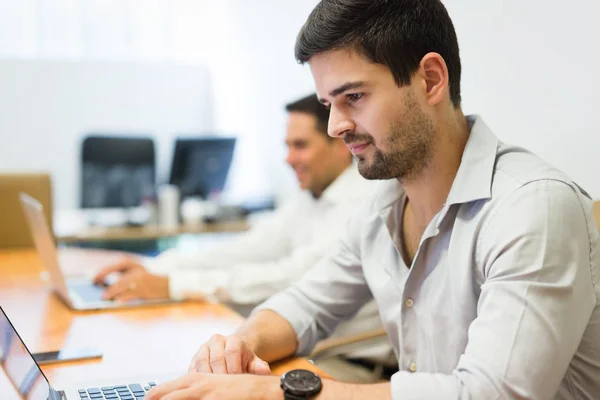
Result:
x=168 y=206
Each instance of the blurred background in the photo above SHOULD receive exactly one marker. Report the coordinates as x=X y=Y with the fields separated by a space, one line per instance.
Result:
x=157 y=67
x=163 y=70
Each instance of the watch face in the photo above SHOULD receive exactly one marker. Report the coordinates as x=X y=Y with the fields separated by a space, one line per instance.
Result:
x=300 y=381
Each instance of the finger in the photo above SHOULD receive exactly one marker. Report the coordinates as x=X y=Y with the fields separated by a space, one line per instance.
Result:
x=259 y=367
x=117 y=288
x=158 y=392
x=201 y=362
x=233 y=355
x=120 y=266
x=127 y=295
x=217 y=355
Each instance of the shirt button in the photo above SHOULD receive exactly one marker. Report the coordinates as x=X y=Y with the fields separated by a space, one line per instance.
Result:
x=409 y=302
x=412 y=367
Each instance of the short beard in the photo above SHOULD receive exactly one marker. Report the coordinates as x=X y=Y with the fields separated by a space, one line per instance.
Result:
x=409 y=144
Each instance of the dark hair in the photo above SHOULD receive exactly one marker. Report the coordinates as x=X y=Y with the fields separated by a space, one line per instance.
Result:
x=311 y=105
x=395 y=33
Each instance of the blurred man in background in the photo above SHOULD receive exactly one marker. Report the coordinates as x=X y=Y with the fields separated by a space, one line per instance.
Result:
x=276 y=253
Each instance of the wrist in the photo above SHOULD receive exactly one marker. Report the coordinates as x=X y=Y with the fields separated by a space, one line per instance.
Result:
x=269 y=388
x=251 y=342
x=328 y=390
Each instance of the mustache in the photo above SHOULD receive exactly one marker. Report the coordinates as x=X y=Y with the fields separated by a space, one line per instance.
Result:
x=353 y=137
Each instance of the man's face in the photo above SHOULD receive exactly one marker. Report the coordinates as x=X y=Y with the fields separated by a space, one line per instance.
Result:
x=384 y=126
x=316 y=159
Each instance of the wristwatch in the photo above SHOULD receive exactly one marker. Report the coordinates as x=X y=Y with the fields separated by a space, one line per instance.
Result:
x=300 y=384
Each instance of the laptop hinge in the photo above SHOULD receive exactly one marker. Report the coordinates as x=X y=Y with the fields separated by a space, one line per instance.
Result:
x=57 y=395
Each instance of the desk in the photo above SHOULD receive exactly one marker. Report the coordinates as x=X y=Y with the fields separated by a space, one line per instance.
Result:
x=142 y=341
x=96 y=233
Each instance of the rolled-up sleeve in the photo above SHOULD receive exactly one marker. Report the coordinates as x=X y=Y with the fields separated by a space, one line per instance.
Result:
x=536 y=300
x=331 y=292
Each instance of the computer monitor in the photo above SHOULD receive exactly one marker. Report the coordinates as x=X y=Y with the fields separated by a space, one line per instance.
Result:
x=200 y=165
x=117 y=171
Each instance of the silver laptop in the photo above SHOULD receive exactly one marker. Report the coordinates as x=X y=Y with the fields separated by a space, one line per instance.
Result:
x=30 y=382
x=77 y=293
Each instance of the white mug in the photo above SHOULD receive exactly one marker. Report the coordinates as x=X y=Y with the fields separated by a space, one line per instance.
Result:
x=168 y=206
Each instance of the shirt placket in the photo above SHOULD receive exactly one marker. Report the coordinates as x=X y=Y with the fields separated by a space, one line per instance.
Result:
x=410 y=301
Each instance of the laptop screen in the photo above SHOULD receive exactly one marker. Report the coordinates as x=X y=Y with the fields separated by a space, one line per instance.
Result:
x=18 y=364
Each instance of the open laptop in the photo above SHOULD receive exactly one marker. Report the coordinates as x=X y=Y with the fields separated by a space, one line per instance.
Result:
x=77 y=293
x=31 y=384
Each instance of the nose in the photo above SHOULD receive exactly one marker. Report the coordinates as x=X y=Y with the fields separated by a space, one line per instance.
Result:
x=291 y=156
x=339 y=123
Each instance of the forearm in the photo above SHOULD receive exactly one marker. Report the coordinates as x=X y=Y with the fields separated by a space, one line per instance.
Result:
x=333 y=390
x=269 y=336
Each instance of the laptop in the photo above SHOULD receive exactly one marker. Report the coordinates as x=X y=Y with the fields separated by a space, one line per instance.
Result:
x=77 y=293
x=31 y=384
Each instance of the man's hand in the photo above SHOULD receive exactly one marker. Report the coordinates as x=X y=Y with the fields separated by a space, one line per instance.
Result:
x=228 y=355
x=218 y=387
x=134 y=283
x=127 y=264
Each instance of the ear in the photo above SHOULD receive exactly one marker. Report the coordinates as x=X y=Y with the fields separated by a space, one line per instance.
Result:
x=434 y=74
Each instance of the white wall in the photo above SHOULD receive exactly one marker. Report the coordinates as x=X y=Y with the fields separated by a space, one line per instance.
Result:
x=47 y=107
x=530 y=69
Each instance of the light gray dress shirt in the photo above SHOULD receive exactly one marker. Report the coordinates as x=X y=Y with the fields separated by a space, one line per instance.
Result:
x=501 y=300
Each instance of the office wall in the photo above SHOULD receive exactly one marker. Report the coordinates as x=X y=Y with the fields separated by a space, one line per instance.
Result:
x=530 y=69
x=47 y=106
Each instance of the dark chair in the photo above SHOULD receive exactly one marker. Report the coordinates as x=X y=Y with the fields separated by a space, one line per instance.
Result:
x=117 y=171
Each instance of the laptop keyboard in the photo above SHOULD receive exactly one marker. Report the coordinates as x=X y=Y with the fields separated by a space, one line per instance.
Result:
x=135 y=391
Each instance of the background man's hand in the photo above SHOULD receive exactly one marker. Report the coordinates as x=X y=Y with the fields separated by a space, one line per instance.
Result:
x=134 y=283
x=127 y=264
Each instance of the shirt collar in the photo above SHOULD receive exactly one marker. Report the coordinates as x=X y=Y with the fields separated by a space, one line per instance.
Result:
x=348 y=184
x=473 y=180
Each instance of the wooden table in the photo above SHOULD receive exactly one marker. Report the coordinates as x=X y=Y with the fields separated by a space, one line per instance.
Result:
x=142 y=341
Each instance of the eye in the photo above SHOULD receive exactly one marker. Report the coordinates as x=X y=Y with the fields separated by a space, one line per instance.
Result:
x=354 y=97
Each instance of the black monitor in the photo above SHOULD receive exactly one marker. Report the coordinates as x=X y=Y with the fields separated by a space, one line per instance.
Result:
x=200 y=165
x=117 y=171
